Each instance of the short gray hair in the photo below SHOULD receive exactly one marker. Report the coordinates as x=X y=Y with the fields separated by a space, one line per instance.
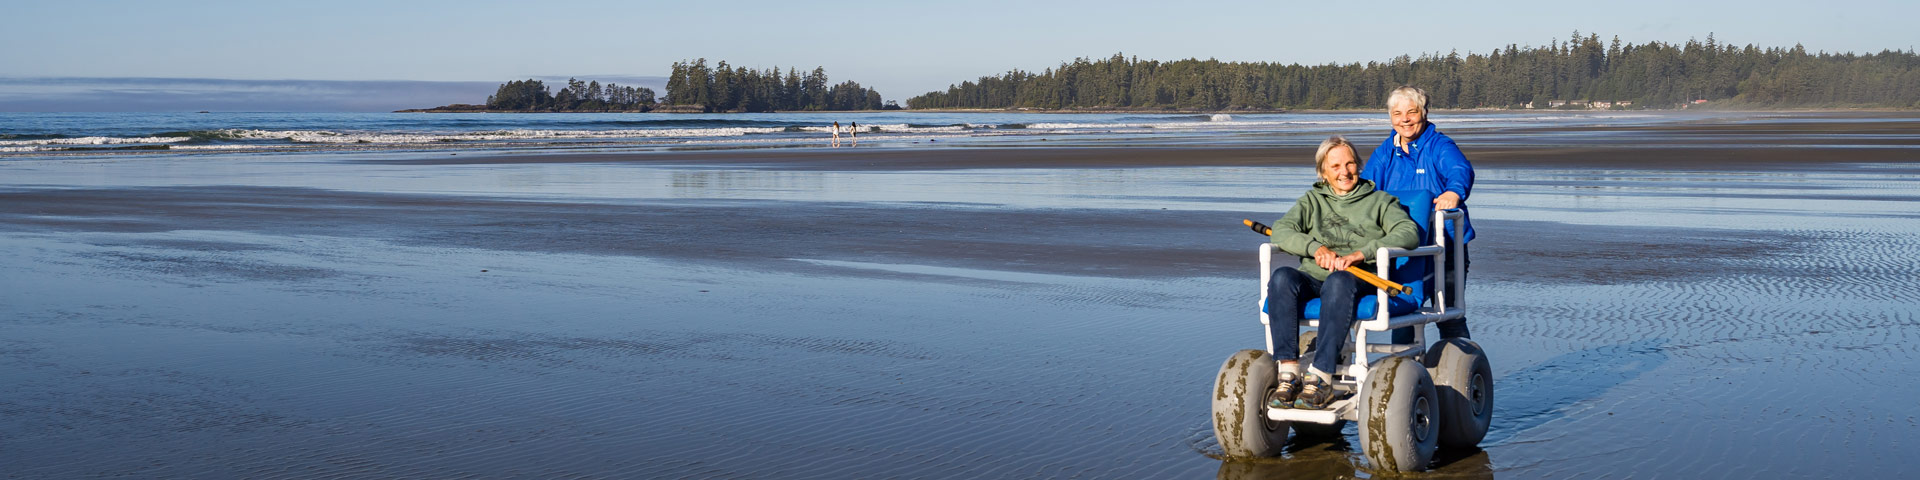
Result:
x=1336 y=141
x=1409 y=93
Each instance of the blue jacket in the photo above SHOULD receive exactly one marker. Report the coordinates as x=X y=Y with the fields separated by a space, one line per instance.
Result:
x=1435 y=165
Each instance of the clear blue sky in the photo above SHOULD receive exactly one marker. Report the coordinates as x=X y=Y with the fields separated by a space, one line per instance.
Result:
x=902 y=48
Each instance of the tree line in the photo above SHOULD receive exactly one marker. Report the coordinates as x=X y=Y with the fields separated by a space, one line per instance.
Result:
x=693 y=86
x=577 y=96
x=1581 y=69
x=722 y=88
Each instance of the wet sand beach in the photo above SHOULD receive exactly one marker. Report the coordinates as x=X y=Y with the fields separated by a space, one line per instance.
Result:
x=1688 y=299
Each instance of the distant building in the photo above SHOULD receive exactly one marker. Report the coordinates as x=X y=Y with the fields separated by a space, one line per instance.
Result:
x=1599 y=105
x=1556 y=103
x=1699 y=102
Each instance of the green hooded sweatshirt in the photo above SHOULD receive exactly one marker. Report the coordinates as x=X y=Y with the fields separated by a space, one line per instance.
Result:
x=1363 y=220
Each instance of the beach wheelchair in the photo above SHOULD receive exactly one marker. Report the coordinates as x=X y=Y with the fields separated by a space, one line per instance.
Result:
x=1408 y=397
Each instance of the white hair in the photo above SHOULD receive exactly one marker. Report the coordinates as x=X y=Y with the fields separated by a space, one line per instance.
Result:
x=1409 y=93
x=1336 y=141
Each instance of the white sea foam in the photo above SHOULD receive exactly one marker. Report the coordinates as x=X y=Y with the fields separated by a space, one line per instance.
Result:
x=1228 y=125
x=93 y=141
x=1540 y=118
x=1085 y=126
x=905 y=128
x=224 y=147
x=231 y=139
x=330 y=137
x=790 y=140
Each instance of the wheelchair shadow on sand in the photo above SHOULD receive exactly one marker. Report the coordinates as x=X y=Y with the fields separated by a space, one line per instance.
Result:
x=1529 y=398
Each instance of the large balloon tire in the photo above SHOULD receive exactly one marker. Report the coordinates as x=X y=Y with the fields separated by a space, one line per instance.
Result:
x=1464 y=380
x=1240 y=421
x=1310 y=429
x=1399 y=428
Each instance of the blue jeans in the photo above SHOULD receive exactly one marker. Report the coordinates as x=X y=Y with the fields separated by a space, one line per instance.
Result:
x=1288 y=293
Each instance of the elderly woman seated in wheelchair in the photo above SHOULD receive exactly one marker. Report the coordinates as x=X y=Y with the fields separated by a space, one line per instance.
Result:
x=1411 y=397
x=1339 y=223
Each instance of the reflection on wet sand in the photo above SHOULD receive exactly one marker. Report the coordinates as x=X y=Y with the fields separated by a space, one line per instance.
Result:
x=1338 y=459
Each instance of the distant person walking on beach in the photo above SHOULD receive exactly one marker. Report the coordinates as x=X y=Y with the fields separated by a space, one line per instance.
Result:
x=853 y=132
x=1416 y=156
x=836 y=133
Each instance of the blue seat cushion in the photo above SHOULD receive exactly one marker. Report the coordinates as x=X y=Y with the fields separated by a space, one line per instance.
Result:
x=1412 y=272
x=1365 y=308
x=1396 y=305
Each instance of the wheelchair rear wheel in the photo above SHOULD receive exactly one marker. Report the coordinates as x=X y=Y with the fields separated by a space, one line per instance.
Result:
x=1464 y=380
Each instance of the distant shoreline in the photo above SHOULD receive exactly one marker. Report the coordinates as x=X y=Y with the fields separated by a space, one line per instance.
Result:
x=683 y=109
x=469 y=108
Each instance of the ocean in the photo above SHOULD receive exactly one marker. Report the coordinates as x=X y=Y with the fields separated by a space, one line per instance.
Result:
x=222 y=132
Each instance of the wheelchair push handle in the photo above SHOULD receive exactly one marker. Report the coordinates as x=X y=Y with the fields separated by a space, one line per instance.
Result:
x=1357 y=272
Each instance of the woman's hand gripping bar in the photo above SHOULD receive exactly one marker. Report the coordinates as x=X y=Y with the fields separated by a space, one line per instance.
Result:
x=1357 y=272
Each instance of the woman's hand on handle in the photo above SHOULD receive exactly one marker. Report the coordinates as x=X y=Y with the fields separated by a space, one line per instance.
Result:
x=1324 y=257
x=1343 y=261
x=1334 y=262
x=1446 y=201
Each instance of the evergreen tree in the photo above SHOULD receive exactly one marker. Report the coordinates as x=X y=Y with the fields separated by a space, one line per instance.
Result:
x=700 y=85
x=677 y=84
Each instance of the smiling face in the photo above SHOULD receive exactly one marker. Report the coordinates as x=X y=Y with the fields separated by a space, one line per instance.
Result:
x=1407 y=117
x=1340 y=170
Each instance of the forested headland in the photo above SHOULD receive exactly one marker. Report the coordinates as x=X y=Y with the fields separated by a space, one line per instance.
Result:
x=1581 y=72
x=692 y=87
x=737 y=89
x=535 y=96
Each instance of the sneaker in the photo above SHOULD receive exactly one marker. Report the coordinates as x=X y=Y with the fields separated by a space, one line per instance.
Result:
x=1284 y=391
x=1315 y=394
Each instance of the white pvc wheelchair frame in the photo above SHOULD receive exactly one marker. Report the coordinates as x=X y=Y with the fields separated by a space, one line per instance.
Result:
x=1353 y=374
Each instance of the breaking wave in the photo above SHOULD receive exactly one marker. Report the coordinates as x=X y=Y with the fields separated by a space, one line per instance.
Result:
x=89 y=141
x=1164 y=118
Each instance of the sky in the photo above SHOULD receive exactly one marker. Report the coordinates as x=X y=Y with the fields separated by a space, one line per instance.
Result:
x=901 y=48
